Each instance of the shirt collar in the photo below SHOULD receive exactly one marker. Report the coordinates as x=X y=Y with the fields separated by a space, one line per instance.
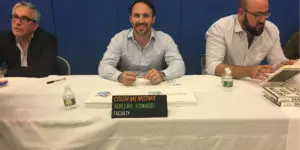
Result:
x=18 y=41
x=152 y=36
x=238 y=28
x=237 y=25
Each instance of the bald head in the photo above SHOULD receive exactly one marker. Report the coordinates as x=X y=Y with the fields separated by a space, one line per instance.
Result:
x=255 y=4
x=243 y=4
x=252 y=15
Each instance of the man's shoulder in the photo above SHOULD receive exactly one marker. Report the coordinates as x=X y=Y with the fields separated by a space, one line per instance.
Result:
x=226 y=21
x=6 y=37
x=271 y=30
x=161 y=33
x=4 y=34
x=122 y=34
x=223 y=24
x=271 y=26
x=40 y=33
x=125 y=32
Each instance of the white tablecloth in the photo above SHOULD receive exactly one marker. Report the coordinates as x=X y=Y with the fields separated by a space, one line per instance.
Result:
x=32 y=116
x=293 y=140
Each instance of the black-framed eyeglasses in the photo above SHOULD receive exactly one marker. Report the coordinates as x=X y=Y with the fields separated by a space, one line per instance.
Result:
x=266 y=14
x=26 y=19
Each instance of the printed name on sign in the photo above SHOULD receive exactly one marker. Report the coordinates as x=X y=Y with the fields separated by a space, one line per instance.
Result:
x=139 y=106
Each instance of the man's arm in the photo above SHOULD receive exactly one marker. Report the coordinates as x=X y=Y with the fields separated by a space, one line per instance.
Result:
x=107 y=67
x=175 y=64
x=256 y=72
x=275 y=55
x=2 y=53
x=46 y=63
x=215 y=53
x=1 y=59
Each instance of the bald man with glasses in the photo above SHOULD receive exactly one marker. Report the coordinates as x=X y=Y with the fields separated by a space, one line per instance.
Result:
x=242 y=41
x=27 y=50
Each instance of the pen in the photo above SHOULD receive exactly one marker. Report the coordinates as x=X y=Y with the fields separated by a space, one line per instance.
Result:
x=52 y=81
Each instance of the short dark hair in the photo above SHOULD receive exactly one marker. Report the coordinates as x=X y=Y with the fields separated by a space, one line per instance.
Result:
x=147 y=2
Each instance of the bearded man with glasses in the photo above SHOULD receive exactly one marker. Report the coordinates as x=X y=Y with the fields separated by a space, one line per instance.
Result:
x=242 y=41
x=27 y=50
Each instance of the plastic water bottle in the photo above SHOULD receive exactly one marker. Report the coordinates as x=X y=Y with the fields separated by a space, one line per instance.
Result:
x=69 y=97
x=227 y=80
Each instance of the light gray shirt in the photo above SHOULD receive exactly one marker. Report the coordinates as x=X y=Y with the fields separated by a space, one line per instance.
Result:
x=124 y=53
x=227 y=43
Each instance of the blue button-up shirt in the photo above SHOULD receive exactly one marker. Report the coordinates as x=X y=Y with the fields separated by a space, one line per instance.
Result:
x=124 y=53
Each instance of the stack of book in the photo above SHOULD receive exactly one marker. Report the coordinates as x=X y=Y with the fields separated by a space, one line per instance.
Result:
x=283 y=96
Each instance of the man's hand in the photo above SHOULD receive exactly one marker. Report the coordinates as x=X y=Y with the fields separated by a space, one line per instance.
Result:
x=289 y=62
x=127 y=78
x=154 y=76
x=260 y=72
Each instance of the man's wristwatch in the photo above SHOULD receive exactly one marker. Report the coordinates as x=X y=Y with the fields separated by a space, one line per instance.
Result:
x=163 y=75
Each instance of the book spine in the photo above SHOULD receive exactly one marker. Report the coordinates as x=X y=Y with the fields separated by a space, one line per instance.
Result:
x=282 y=98
x=283 y=104
x=290 y=104
x=272 y=100
x=288 y=99
x=270 y=95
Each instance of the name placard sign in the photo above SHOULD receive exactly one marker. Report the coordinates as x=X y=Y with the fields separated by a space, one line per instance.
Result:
x=139 y=106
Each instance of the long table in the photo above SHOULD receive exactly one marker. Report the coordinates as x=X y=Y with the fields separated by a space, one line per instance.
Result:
x=32 y=116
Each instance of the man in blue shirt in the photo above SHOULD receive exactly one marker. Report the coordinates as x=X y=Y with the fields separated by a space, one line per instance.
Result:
x=141 y=51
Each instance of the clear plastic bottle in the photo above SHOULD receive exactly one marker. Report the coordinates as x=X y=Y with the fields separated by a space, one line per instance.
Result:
x=223 y=75
x=227 y=80
x=69 y=97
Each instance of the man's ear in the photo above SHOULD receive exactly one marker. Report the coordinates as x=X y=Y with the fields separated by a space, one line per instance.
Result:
x=130 y=19
x=35 y=26
x=241 y=12
x=154 y=18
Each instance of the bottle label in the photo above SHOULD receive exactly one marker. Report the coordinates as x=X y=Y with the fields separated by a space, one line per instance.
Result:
x=227 y=83
x=69 y=102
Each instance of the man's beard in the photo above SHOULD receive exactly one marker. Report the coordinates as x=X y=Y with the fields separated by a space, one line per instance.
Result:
x=141 y=32
x=254 y=31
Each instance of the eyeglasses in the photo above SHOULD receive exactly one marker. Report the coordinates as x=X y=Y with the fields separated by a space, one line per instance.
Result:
x=266 y=14
x=26 y=19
